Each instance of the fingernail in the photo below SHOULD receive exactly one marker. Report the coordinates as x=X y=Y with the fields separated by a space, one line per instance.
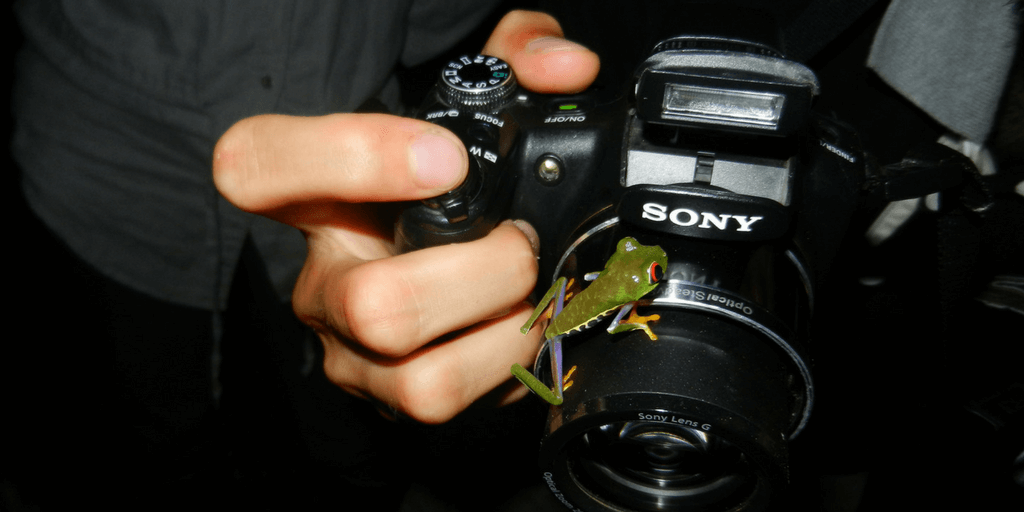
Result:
x=436 y=161
x=531 y=234
x=552 y=44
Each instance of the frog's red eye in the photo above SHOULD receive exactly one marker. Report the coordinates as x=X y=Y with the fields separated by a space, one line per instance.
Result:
x=654 y=273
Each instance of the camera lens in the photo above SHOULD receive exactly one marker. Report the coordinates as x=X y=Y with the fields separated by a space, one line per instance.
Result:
x=691 y=421
x=697 y=419
x=660 y=466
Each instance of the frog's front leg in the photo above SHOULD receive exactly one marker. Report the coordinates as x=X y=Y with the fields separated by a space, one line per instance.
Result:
x=554 y=344
x=632 y=323
x=555 y=293
x=554 y=395
x=555 y=352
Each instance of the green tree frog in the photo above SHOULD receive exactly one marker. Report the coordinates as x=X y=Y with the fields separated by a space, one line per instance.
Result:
x=630 y=273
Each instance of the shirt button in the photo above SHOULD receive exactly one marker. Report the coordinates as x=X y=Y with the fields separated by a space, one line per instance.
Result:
x=266 y=82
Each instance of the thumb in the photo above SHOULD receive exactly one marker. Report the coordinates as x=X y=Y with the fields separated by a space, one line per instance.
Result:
x=544 y=61
x=266 y=163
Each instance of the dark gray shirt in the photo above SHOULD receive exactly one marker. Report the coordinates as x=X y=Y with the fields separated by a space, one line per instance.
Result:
x=118 y=104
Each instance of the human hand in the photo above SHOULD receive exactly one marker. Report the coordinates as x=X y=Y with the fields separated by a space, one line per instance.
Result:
x=425 y=333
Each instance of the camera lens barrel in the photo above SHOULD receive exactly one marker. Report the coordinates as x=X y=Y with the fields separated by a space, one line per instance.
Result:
x=698 y=419
x=714 y=407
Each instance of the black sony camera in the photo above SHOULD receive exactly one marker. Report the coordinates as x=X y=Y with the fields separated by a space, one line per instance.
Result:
x=712 y=154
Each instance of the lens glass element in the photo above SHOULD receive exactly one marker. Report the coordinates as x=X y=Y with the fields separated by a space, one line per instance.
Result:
x=653 y=466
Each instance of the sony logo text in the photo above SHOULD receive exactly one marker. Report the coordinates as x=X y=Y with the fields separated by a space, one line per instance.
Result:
x=686 y=217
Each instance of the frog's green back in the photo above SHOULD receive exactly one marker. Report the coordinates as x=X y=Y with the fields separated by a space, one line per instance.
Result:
x=627 y=276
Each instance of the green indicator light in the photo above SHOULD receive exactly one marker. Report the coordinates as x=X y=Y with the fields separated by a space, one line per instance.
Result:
x=567 y=106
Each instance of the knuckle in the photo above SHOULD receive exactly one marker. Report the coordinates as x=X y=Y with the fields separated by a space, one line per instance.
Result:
x=429 y=394
x=358 y=152
x=305 y=305
x=359 y=140
x=377 y=311
x=312 y=302
x=332 y=366
x=340 y=368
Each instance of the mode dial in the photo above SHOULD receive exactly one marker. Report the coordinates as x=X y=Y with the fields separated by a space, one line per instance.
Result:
x=477 y=82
